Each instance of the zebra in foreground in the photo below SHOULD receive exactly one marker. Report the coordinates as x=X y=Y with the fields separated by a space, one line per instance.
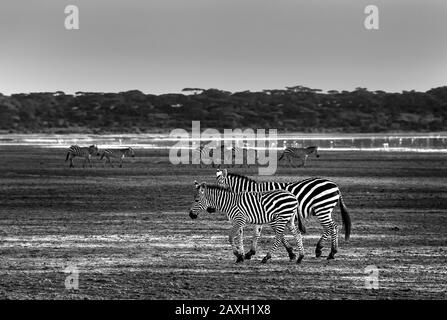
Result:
x=299 y=153
x=276 y=208
x=118 y=154
x=84 y=152
x=316 y=196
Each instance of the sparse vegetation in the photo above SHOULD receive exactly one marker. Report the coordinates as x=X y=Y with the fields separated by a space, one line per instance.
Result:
x=296 y=108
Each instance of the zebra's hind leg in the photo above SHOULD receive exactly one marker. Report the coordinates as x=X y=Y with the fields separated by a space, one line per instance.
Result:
x=289 y=248
x=334 y=241
x=254 y=244
x=279 y=230
x=320 y=243
x=299 y=239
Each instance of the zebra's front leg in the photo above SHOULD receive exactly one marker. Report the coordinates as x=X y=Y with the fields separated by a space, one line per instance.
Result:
x=304 y=161
x=334 y=241
x=71 y=163
x=241 y=245
x=235 y=231
x=254 y=244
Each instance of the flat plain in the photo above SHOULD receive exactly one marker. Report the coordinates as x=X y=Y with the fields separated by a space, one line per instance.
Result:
x=128 y=233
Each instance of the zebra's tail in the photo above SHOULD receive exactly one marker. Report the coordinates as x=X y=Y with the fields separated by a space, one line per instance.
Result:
x=66 y=158
x=345 y=218
x=102 y=156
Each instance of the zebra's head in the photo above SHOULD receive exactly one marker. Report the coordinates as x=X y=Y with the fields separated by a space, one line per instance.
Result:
x=93 y=149
x=201 y=203
x=314 y=149
x=130 y=152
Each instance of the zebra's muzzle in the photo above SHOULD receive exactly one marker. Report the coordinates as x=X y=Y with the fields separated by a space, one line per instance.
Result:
x=210 y=210
x=192 y=215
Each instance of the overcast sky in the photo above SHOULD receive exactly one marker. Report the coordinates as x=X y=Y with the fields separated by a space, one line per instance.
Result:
x=160 y=46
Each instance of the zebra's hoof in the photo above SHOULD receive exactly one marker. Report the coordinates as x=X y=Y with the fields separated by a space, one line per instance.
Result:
x=331 y=255
x=318 y=252
x=292 y=256
x=240 y=258
x=266 y=258
x=300 y=258
x=249 y=254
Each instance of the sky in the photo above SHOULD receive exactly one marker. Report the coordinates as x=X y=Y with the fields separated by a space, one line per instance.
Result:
x=163 y=46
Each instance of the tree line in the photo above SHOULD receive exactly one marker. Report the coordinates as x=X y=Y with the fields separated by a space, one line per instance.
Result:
x=293 y=109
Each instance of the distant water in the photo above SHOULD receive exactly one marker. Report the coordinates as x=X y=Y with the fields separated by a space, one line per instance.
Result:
x=424 y=142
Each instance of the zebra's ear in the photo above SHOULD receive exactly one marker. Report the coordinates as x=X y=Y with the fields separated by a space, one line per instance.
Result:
x=218 y=172
x=224 y=173
x=196 y=184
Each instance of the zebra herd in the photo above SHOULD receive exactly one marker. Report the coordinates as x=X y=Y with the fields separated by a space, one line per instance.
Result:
x=87 y=152
x=203 y=151
x=278 y=204
x=290 y=154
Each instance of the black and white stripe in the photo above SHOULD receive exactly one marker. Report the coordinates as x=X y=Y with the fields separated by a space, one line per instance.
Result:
x=110 y=154
x=316 y=196
x=276 y=208
x=82 y=152
x=291 y=153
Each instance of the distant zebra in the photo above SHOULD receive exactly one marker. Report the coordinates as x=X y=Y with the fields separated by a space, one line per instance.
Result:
x=117 y=154
x=316 y=196
x=276 y=208
x=299 y=153
x=84 y=152
x=206 y=151
x=243 y=153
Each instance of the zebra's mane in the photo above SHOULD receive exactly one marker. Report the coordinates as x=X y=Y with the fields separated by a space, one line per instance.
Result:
x=216 y=187
x=242 y=177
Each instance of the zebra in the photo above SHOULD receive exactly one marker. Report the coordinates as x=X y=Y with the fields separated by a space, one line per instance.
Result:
x=316 y=196
x=241 y=153
x=276 y=208
x=116 y=153
x=299 y=153
x=205 y=151
x=84 y=152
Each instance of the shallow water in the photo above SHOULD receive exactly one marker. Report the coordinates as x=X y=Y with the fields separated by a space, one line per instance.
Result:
x=409 y=142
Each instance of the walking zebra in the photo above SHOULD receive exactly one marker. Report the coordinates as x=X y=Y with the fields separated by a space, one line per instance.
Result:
x=316 y=196
x=299 y=153
x=118 y=154
x=206 y=151
x=276 y=208
x=84 y=152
